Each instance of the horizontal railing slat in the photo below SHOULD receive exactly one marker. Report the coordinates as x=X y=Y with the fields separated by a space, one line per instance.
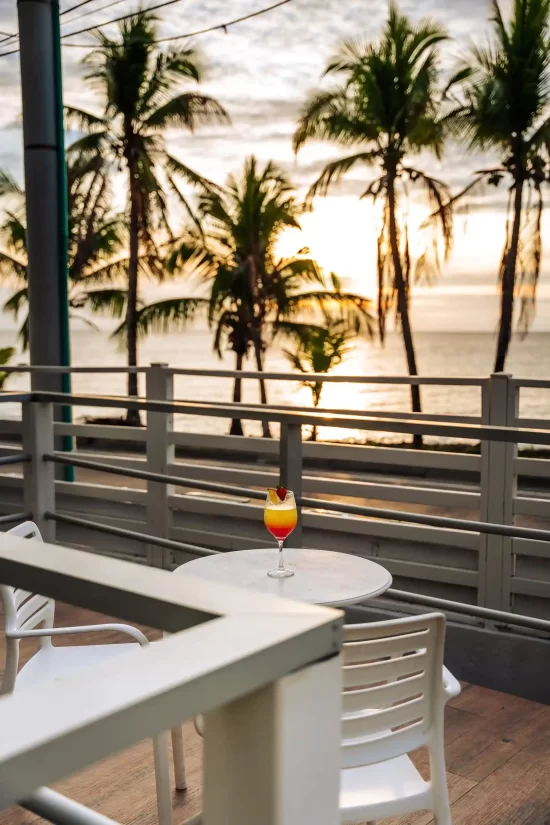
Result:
x=535 y=467
x=525 y=547
x=110 y=529
x=538 y=383
x=537 y=423
x=356 y=453
x=524 y=506
x=429 y=520
x=101 y=431
x=530 y=587
x=331 y=486
x=353 y=422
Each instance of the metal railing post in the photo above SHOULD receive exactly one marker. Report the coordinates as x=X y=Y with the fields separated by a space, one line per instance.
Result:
x=291 y=467
x=273 y=757
x=39 y=475
x=498 y=486
x=160 y=453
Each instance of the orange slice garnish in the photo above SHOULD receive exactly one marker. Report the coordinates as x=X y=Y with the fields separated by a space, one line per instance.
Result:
x=273 y=497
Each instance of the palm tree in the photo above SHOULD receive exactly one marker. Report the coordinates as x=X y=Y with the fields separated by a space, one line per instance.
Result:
x=96 y=242
x=6 y=353
x=388 y=104
x=253 y=294
x=506 y=107
x=318 y=350
x=142 y=98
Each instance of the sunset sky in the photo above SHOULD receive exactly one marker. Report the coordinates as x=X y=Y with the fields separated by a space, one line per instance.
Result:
x=261 y=71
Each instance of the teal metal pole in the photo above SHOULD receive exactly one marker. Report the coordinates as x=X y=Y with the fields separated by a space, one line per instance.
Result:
x=63 y=223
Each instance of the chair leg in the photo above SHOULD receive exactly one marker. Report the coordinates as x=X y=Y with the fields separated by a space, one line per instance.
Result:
x=179 y=758
x=162 y=777
x=441 y=805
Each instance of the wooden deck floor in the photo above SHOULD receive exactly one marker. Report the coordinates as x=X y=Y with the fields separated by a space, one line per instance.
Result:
x=497 y=746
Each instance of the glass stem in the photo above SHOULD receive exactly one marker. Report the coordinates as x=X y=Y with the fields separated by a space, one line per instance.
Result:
x=280 y=565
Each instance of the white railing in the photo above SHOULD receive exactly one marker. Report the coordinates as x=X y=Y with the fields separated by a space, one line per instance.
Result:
x=270 y=686
x=426 y=553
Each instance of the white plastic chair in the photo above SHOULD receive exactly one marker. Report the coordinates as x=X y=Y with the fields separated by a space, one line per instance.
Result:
x=23 y=612
x=395 y=688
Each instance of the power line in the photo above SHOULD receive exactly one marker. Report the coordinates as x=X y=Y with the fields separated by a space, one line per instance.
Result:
x=117 y=19
x=76 y=6
x=224 y=26
x=219 y=26
x=92 y=11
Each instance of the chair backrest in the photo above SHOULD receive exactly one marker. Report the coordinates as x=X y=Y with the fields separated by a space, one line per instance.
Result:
x=392 y=687
x=24 y=610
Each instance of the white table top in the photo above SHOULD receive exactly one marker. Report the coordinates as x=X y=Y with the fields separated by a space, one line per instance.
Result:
x=320 y=576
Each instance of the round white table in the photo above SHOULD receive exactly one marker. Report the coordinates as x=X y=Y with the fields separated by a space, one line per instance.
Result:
x=320 y=576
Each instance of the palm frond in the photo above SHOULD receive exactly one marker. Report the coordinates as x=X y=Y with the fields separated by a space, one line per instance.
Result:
x=83 y=121
x=187 y=111
x=167 y=71
x=8 y=185
x=294 y=360
x=6 y=353
x=12 y=267
x=111 y=272
x=89 y=147
x=336 y=169
x=173 y=314
x=441 y=206
x=108 y=301
x=353 y=311
x=184 y=202
x=176 y=167
x=16 y=302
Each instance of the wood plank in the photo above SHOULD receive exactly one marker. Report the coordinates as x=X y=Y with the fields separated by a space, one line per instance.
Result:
x=494 y=740
x=514 y=794
x=482 y=701
x=542 y=816
x=457 y=723
x=123 y=787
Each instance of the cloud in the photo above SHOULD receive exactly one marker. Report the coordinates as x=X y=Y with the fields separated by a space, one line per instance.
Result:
x=261 y=71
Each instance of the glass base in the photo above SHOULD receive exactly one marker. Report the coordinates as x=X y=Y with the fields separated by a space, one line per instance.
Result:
x=280 y=574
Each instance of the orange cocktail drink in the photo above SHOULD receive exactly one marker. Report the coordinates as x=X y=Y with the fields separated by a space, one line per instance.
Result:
x=280 y=521
x=280 y=518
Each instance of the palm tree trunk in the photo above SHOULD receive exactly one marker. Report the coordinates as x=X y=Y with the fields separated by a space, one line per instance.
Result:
x=236 y=424
x=132 y=417
x=402 y=304
x=508 y=284
x=266 y=432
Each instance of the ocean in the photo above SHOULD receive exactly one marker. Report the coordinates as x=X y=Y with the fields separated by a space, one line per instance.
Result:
x=438 y=354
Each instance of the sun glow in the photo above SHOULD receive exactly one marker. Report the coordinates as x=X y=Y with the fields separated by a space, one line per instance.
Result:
x=341 y=234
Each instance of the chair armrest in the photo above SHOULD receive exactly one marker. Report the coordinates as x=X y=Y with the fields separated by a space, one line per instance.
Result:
x=136 y=634
x=198 y=722
x=451 y=686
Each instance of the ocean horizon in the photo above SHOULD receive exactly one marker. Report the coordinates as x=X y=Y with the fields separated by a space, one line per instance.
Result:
x=439 y=354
